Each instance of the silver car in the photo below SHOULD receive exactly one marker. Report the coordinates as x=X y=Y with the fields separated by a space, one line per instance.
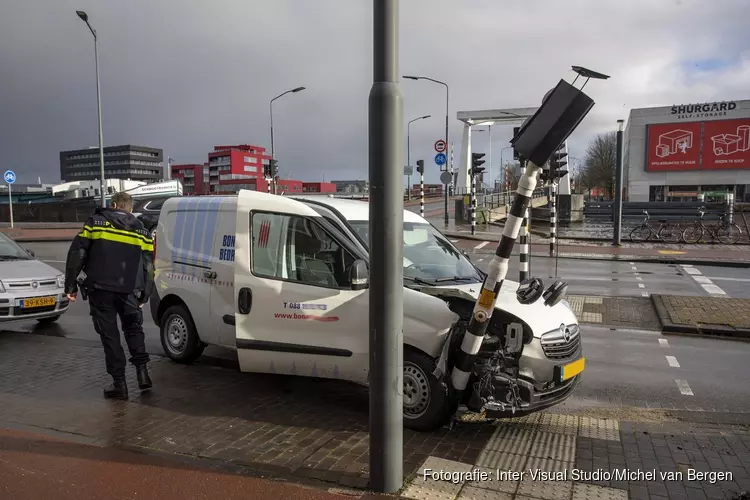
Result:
x=29 y=288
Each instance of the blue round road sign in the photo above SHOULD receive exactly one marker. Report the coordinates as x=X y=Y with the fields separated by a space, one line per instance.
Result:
x=10 y=177
x=440 y=159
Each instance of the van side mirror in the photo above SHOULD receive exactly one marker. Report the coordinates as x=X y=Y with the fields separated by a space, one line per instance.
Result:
x=358 y=275
x=30 y=252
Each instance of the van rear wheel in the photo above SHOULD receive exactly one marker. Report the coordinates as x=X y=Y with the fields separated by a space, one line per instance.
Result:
x=427 y=404
x=179 y=338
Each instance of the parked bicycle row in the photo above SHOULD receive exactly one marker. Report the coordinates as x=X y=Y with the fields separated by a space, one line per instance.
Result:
x=724 y=232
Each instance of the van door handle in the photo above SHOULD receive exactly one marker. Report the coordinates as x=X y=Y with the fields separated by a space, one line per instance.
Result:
x=209 y=274
x=245 y=301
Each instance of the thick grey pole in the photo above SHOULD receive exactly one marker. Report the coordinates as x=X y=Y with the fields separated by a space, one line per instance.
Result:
x=102 y=183
x=408 y=159
x=386 y=254
x=272 y=184
x=618 y=187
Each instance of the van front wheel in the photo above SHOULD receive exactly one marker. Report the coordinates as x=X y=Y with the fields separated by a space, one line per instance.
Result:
x=179 y=338
x=427 y=404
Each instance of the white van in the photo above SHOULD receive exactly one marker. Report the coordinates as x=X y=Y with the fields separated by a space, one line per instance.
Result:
x=279 y=279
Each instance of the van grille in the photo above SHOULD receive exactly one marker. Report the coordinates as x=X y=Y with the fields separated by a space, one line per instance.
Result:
x=556 y=347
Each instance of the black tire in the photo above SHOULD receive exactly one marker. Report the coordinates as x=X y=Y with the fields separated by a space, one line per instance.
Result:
x=670 y=233
x=428 y=405
x=728 y=234
x=640 y=233
x=179 y=338
x=49 y=320
x=693 y=234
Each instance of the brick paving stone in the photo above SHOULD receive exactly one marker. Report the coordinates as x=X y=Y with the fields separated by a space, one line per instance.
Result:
x=292 y=426
x=616 y=311
x=684 y=310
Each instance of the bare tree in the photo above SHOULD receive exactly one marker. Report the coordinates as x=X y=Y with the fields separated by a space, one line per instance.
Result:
x=600 y=162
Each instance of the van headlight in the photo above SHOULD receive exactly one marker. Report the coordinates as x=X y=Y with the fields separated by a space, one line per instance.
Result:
x=61 y=281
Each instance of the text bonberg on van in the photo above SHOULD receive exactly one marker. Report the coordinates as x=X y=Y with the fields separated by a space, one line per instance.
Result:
x=279 y=280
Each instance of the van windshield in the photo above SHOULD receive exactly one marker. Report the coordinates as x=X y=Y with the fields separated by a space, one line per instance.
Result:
x=428 y=255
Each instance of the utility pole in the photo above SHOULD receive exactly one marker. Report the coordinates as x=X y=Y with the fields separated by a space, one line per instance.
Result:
x=386 y=255
x=618 y=187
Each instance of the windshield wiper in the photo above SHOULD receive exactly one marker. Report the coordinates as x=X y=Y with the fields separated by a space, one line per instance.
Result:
x=13 y=257
x=455 y=278
x=418 y=280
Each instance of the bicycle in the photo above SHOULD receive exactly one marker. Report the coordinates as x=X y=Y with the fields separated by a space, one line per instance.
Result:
x=667 y=232
x=725 y=232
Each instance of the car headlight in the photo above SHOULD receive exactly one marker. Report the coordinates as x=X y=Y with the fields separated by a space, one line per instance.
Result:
x=2 y=288
x=61 y=281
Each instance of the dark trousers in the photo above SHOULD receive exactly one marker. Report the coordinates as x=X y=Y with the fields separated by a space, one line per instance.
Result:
x=105 y=308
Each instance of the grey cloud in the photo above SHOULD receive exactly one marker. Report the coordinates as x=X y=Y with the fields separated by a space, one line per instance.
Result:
x=185 y=76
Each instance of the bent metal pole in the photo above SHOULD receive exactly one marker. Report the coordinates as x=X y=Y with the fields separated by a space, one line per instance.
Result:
x=496 y=273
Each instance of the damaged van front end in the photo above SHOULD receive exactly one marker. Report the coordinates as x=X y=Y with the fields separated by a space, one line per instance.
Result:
x=530 y=358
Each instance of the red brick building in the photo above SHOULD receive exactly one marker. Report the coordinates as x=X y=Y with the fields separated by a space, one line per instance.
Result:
x=231 y=168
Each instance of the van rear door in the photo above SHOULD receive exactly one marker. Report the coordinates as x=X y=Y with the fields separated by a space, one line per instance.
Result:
x=295 y=311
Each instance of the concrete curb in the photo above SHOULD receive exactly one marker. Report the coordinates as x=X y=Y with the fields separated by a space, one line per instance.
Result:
x=698 y=330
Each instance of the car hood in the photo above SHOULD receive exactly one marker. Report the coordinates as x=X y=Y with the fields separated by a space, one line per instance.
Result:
x=540 y=318
x=26 y=269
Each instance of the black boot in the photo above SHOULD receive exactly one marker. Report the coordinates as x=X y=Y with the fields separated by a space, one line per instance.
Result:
x=118 y=389
x=144 y=381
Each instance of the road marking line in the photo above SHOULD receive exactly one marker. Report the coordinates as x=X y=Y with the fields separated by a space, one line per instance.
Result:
x=454 y=241
x=702 y=279
x=672 y=361
x=664 y=342
x=634 y=268
x=713 y=290
x=639 y=278
x=692 y=270
x=632 y=263
x=481 y=245
x=712 y=277
x=644 y=294
x=641 y=285
x=686 y=265
x=684 y=388
x=480 y=260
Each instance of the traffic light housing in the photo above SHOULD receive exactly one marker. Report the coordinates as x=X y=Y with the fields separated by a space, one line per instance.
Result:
x=476 y=163
x=557 y=162
x=271 y=170
x=420 y=166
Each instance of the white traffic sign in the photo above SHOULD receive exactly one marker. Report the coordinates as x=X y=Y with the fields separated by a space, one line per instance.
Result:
x=10 y=177
x=440 y=146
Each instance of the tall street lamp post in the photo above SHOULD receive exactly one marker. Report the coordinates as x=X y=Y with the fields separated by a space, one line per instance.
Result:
x=408 y=153
x=446 y=126
x=85 y=18
x=273 y=153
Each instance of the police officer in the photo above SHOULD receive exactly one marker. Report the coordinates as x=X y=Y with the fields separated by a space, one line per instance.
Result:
x=115 y=253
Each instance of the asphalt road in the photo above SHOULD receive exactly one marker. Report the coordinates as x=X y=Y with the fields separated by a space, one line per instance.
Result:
x=624 y=367
x=624 y=279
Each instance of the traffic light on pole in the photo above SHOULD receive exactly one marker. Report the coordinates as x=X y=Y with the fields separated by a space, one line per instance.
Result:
x=476 y=163
x=420 y=166
x=557 y=162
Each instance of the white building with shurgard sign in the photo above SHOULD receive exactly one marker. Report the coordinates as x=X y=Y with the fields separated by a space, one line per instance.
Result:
x=676 y=153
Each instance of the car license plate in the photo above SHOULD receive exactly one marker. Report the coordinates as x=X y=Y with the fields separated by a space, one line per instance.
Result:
x=37 y=302
x=570 y=370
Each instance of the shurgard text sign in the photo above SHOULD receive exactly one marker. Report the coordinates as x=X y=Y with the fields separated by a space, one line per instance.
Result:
x=726 y=144
x=673 y=146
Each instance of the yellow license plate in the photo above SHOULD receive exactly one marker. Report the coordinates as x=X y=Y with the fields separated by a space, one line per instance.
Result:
x=37 y=302
x=570 y=370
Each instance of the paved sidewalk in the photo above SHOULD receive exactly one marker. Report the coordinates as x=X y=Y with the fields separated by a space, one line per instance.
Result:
x=37 y=466
x=632 y=312
x=703 y=315
x=301 y=430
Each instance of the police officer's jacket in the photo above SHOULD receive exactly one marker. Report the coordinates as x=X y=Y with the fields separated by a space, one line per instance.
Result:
x=115 y=252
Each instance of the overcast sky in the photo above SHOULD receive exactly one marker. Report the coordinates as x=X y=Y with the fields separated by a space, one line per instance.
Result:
x=184 y=76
